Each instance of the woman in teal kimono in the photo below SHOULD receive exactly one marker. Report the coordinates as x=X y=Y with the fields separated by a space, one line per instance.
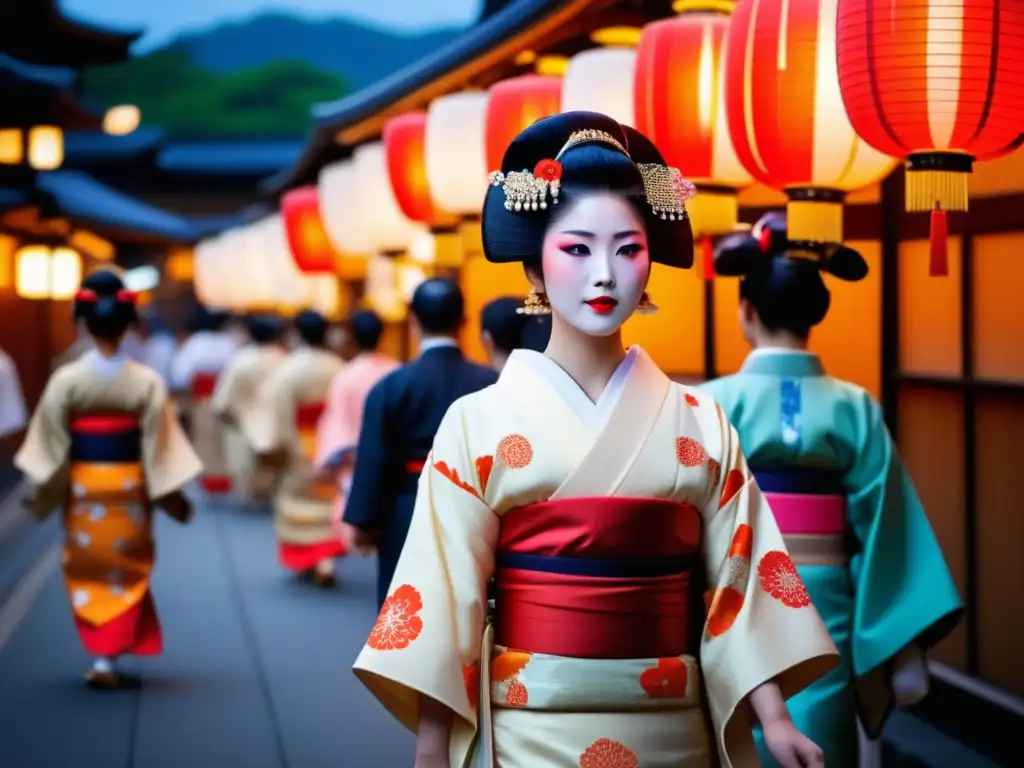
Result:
x=851 y=518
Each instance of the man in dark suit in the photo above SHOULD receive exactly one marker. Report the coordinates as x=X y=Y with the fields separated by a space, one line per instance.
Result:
x=402 y=414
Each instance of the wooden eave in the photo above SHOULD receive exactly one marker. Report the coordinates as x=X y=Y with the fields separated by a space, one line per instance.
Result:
x=480 y=57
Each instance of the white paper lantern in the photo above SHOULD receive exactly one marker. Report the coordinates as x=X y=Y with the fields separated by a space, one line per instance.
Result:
x=202 y=273
x=210 y=276
x=410 y=275
x=341 y=209
x=291 y=290
x=261 y=289
x=456 y=156
x=381 y=288
x=325 y=295
x=234 y=275
x=601 y=80
x=387 y=228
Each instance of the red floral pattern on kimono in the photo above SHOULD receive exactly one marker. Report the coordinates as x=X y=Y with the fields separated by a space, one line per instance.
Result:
x=665 y=681
x=779 y=578
x=399 y=623
x=605 y=753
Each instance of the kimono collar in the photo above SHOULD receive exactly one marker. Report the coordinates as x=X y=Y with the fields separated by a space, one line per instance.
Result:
x=106 y=367
x=783 y=362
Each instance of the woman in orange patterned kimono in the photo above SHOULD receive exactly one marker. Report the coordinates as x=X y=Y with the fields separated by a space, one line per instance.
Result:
x=606 y=501
x=103 y=444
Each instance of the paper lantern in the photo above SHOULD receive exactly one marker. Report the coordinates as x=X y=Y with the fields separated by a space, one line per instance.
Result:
x=325 y=295
x=601 y=80
x=233 y=272
x=404 y=140
x=41 y=272
x=786 y=116
x=45 y=147
x=680 y=106
x=121 y=120
x=261 y=284
x=12 y=146
x=405 y=150
x=515 y=104
x=340 y=208
x=388 y=229
x=455 y=149
x=304 y=228
x=939 y=83
x=203 y=273
x=382 y=289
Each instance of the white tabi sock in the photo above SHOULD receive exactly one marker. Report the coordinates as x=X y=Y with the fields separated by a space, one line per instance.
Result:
x=104 y=665
x=325 y=567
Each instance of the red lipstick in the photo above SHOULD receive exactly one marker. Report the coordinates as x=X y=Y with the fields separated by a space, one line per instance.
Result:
x=603 y=305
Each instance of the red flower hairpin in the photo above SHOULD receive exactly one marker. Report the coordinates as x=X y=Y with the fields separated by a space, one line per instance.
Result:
x=127 y=297
x=764 y=239
x=86 y=295
x=549 y=170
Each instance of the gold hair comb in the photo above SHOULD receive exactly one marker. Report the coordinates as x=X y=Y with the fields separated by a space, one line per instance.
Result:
x=666 y=189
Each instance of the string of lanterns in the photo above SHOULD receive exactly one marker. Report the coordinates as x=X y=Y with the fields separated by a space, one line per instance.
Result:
x=812 y=98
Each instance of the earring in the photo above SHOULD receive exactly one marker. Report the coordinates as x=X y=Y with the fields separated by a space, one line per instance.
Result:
x=536 y=304
x=646 y=306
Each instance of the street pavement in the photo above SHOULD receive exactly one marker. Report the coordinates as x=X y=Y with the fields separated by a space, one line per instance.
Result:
x=256 y=671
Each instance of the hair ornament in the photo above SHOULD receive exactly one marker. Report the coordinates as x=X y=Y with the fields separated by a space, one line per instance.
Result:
x=590 y=135
x=667 y=191
x=86 y=296
x=127 y=297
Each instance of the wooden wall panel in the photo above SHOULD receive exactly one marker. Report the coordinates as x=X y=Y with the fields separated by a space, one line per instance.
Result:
x=930 y=316
x=730 y=346
x=931 y=441
x=999 y=457
x=996 y=177
x=481 y=282
x=998 y=295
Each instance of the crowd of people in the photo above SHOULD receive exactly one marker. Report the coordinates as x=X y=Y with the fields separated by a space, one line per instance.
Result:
x=581 y=562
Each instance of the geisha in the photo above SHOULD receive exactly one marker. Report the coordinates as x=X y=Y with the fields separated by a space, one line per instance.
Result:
x=646 y=605
x=104 y=445
x=820 y=451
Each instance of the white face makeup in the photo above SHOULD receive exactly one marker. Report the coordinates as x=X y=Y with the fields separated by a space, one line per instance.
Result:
x=596 y=264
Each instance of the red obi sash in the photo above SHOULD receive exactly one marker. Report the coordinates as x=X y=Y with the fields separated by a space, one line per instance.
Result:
x=597 y=578
x=203 y=385
x=805 y=501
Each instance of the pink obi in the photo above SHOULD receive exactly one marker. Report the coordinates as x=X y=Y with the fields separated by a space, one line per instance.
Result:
x=810 y=508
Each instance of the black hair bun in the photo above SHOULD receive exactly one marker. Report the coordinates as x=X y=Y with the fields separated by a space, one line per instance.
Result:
x=107 y=308
x=742 y=253
x=510 y=235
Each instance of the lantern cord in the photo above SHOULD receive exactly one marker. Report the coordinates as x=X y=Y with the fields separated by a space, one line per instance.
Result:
x=707 y=253
x=938 y=264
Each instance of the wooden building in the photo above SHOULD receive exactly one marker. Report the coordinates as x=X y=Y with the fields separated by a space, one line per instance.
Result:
x=942 y=354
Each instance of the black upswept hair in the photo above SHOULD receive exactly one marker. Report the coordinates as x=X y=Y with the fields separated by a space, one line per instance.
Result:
x=781 y=278
x=586 y=168
x=107 y=308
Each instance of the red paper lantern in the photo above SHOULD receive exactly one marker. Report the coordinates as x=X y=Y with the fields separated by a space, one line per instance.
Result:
x=939 y=83
x=515 y=104
x=307 y=238
x=786 y=115
x=680 y=106
x=403 y=138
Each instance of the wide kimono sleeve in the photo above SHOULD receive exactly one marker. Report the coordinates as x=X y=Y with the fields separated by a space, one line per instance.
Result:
x=268 y=424
x=905 y=593
x=43 y=456
x=760 y=626
x=12 y=402
x=168 y=457
x=427 y=638
x=223 y=402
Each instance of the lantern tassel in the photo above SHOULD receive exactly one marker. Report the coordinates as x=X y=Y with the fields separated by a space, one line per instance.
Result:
x=938 y=264
x=707 y=256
